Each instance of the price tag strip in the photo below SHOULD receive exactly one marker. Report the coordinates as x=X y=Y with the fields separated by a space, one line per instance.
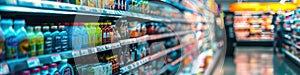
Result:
x=135 y=65
x=33 y=62
x=84 y=52
x=55 y=57
x=4 y=69
x=75 y=53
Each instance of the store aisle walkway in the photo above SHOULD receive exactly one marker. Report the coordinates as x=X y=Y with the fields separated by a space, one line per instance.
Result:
x=258 y=61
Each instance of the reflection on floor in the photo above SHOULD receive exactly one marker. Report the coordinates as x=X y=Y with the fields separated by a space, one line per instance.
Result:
x=258 y=61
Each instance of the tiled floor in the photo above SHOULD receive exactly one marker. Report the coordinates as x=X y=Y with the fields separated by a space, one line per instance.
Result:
x=258 y=61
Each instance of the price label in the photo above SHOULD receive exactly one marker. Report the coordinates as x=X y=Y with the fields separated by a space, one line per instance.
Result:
x=93 y=10
x=55 y=57
x=94 y=50
x=4 y=69
x=103 y=48
x=84 y=52
x=75 y=53
x=33 y=62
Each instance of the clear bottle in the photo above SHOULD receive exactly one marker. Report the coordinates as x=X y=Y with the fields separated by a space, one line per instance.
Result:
x=22 y=38
x=32 y=41
x=39 y=36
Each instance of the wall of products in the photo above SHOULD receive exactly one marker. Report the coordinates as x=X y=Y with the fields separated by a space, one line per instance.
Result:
x=253 y=26
x=104 y=37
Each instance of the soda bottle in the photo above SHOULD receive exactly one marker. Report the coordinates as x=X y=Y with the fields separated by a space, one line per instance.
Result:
x=56 y=42
x=64 y=38
x=32 y=40
x=11 y=43
x=39 y=36
x=22 y=38
x=47 y=40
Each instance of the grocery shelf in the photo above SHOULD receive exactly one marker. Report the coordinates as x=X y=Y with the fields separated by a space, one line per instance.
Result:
x=291 y=56
x=162 y=70
x=71 y=9
x=152 y=57
x=23 y=63
x=158 y=55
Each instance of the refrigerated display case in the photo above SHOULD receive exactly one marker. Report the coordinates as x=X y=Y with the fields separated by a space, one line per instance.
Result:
x=107 y=37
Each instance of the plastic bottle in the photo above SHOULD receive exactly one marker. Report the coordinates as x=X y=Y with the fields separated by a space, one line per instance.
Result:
x=39 y=40
x=47 y=40
x=53 y=69
x=44 y=70
x=32 y=41
x=64 y=38
x=84 y=35
x=64 y=68
x=75 y=40
x=2 y=45
x=11 y=44
x=22 y=38
x=110 y=32
x=35 y=71
x=56 y=42
x=98 y=34
x=90 y=34
x=104 y=37
x=25 y=72
x=93 y=34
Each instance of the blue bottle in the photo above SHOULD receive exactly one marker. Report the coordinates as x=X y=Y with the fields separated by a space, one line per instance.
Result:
x=47 y=40
x=84 y=35
x=56 y=42
x=11 y=44
x=64 y=38
x=64 y=68
x=75 y=40
x=22 y=38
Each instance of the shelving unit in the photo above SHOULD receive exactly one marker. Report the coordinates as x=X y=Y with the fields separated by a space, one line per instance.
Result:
x=46 y=11
x=289 y=38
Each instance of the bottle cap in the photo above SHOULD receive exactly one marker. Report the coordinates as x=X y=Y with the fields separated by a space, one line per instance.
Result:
x=26 y=72
x=45 y=67
x=37 y=28
x=53 y=27
x=19 y=22
x=35 y=70
x=53 y=65
x=6 y=22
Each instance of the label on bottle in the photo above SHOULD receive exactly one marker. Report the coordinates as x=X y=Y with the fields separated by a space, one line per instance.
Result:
x=67 y=71
x=11 y=47
x=48 y=44
x=23 y=47
x=58 y=43
x=40 y=45
x=56 y=73
x=64 y=43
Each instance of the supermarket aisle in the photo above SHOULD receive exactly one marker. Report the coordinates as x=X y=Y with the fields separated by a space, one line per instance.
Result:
x=258 y=61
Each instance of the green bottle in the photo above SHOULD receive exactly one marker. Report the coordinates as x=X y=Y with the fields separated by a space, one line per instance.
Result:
x=39 y=40
x=32 y=41
x=98 y=34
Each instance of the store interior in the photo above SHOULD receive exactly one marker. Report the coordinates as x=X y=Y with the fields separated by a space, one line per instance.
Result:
x=149 y=37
